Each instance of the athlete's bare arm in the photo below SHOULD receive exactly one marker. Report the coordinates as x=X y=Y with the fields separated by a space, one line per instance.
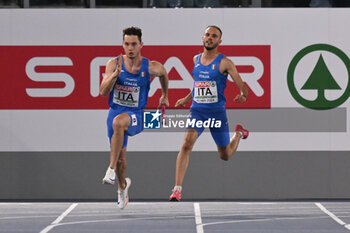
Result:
x=227 y=66
x=113 y=69
x=156 y=69
x=183 y=101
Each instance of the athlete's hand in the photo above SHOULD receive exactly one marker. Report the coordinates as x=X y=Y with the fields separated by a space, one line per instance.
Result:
x=240 y=99
x=118 y=67
x=163 y=100
x=181 y=102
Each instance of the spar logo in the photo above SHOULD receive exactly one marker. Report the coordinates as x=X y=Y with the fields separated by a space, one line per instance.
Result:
x=69 y=77
x=319 y=77
x=202 y=84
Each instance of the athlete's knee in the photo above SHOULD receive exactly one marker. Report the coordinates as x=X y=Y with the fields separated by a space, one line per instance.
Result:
x=118 y=124
x=224 y=155
x=121 y=162
x=187 y=145
x=225 y=158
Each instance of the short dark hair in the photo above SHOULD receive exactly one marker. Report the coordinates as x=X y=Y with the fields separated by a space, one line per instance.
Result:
x=214 y=26
x=133 y=31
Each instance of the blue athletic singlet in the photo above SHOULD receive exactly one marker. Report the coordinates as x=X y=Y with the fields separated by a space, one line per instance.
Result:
x=130 y=92
x=209 y=84
x=209 y=99
x=129 y=95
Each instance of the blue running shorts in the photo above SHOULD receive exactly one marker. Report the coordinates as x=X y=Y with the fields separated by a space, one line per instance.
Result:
x=136 y=124
x=221 y=135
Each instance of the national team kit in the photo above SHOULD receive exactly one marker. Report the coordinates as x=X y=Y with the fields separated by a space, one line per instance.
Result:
x=130 y=95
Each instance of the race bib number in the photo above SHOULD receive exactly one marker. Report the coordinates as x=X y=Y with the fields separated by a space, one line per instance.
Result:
x=205 y=92
x=126 y=96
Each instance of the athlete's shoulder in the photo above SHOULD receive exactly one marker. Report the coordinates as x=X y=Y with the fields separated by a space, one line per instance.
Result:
x=111 y=65
x=112 y=61
x=226 y=61
x=226 y=65
x=154 y=64
x=156 y=68
x=195 y=57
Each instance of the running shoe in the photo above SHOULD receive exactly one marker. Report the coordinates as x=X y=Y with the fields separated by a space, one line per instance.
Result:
x=109 y=177
x=175 y=196
x=244 y=132
x=123 y=198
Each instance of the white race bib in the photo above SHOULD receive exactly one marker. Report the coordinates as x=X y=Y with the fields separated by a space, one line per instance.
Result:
x=126 y=96
x=205 y=92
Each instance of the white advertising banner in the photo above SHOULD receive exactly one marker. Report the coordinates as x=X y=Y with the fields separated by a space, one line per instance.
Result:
x=294 y=61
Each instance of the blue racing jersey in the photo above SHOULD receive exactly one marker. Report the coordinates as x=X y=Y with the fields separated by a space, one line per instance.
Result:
x=209 y=85
x=130 y=91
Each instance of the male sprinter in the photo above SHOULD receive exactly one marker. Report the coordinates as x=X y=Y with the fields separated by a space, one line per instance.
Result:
x=210 y=75
x=127 y=82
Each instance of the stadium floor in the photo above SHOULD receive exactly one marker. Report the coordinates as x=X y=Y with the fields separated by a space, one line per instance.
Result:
x=182 y=217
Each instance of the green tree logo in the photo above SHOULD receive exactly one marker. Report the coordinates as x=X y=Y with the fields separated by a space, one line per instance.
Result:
x=320 y=79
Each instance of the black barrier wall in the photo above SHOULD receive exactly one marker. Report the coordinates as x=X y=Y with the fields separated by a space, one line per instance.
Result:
x=248 y=175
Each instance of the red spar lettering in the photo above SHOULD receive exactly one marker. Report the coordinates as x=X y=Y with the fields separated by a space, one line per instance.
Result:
x=125 y=88
x=202 y=84
x=69 y=77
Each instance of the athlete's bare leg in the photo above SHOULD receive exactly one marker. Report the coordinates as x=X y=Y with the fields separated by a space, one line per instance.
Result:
x=184 y=155
x=120 y=124
x=121 y=169
x=227 y=151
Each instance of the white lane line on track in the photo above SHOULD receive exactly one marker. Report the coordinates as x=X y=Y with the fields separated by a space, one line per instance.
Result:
x=198 y=218
x=333 y=216
x=59 y=219
x=123 y=220
x=262 y=220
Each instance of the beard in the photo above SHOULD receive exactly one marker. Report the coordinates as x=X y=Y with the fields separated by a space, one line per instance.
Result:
x=210 y=48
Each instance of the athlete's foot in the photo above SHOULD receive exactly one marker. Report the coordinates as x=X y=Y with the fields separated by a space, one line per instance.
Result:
x=123 y=197
x=244 y=132
x=109 y=177
x=175 y=196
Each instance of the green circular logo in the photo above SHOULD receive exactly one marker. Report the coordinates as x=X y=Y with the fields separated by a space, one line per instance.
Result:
x=320 y=78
